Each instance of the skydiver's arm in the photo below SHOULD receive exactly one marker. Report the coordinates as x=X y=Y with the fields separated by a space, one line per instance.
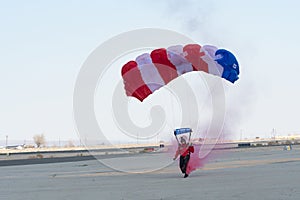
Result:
x=191 y=149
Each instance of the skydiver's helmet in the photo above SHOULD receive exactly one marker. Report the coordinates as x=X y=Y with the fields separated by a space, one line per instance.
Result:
x=183 y=140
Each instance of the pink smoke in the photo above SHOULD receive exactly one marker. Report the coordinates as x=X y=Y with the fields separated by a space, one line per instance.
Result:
x=195 y=161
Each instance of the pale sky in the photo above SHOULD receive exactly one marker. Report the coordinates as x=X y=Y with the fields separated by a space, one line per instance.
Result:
x=44 y=43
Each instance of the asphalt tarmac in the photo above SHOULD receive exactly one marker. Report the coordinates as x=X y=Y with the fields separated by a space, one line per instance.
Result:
x=252 y=173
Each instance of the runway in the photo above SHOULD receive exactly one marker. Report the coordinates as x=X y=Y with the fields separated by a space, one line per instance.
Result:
x=252 y=173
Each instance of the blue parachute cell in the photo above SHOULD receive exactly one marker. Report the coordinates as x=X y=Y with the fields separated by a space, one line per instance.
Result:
x=228 y=61
x=182 y=131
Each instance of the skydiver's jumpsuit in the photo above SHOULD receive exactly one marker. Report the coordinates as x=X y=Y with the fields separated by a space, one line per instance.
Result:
x=184 y=150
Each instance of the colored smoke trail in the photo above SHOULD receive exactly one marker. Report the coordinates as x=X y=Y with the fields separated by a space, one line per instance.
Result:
x=195 y=161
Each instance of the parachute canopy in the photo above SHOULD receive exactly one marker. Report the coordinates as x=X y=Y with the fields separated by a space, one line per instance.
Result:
x=151 y=71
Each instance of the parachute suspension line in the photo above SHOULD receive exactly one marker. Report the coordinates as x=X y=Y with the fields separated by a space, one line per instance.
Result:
x=188 y=101
x=207 y=98
x=177 y=139
x=173 y=110
x=171 y=121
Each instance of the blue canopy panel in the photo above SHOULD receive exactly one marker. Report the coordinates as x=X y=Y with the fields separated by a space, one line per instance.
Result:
x=182 y=131
x=231 y=66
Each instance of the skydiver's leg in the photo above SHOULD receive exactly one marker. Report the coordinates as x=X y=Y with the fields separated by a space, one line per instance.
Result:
x=185 y=163
x=181 y=164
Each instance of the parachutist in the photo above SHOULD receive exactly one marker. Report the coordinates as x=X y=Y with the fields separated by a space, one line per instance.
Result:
x=184 y=150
